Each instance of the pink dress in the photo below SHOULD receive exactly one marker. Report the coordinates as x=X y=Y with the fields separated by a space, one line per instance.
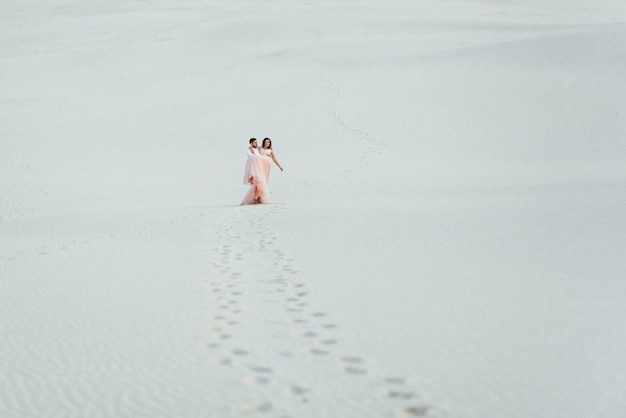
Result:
x=257 y=176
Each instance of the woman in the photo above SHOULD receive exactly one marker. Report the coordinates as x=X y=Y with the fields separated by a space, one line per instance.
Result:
x=257 y=172
x=266 y=150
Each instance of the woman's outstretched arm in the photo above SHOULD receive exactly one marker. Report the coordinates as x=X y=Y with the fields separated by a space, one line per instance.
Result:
x=276 y=161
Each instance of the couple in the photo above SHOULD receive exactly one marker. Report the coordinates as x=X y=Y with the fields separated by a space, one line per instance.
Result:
x=257 y=173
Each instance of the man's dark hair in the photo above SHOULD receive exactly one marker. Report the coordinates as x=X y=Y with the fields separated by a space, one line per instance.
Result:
x=251 y=140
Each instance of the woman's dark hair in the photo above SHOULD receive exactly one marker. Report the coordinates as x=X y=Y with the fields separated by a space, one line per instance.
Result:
x=251 y=140
x=263 y=144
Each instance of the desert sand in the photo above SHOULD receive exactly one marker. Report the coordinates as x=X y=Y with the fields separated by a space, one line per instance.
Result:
x=447 y=238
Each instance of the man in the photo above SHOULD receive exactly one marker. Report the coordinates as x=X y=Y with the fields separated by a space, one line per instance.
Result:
x=253 y=149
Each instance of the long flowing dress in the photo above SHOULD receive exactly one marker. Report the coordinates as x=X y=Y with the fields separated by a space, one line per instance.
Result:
x=257 y=176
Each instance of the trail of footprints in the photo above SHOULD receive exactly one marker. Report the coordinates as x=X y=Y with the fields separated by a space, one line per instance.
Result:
x=370 y=145
x=311 y=331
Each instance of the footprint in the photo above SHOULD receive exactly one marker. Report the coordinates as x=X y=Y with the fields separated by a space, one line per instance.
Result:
x=297 y=390
x=400 y=395
x=417 y=411
x=355 y=371
x=261 y=369
x=395 y=380
x=239 y=352
x=354 y=365
x=264 y=407
x=255 y=380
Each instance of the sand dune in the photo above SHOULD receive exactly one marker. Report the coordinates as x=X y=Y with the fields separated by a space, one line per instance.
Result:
x=446 y=239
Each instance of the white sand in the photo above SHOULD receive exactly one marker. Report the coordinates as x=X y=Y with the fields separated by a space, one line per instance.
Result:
x=447 y=239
